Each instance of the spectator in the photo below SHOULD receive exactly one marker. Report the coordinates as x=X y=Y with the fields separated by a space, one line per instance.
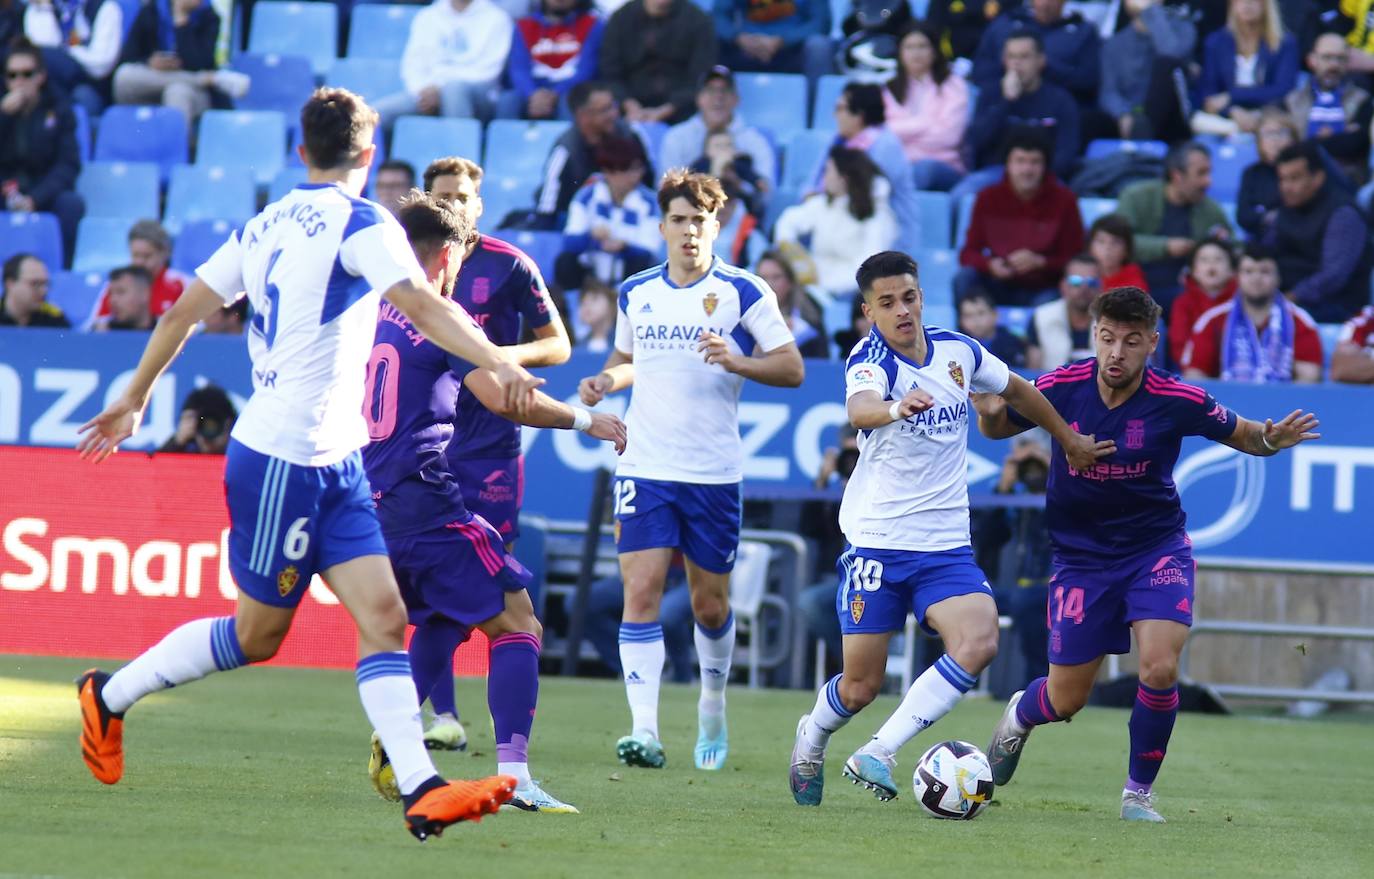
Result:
x=723 y=160
x=228 y=321
x=39 y=158
x=1320 y=238
x=847 y=220
x=1025 y=595
x=1070 y=46
x=11 y=23
x=859 y=118
x=553 y=50
x=1332 y=109
x=859 y=326
x=128 y=294
x=1211 y=281
x=801 y=312
x=1257 y=205
x=978 y=319
x=654 y=55
x=1140 y=64
x=452 y=62
x=79 y=52
x=1247 y=64
x=1171 y=216
x=1259 y=336
x=961 y=25
x=1353 y=359
x=573 y=157
x=717 y=101
x=1023 y=231
x=395 y=179
x=612 y=229
x=150 y=249
x=1060 y=332
x=927 y=108
x=207 y=416
x=1352 y=17
x=23 y=299
x=740 y=242
x=596 y=311
x=169 y=59
x=787 y=37
x=1111 y=241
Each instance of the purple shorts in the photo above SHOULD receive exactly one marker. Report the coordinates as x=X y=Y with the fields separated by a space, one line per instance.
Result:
x=493 y=488
x=460 y=571
x=1092 y=605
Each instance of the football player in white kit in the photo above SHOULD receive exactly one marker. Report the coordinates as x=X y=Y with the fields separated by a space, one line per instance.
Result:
x=688 y=333
x=299 y=502
x=905 y=516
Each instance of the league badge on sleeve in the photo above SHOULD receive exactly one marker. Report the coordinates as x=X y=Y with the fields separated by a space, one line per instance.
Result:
x=287 y=579
x=956 y=372
x=708 y=304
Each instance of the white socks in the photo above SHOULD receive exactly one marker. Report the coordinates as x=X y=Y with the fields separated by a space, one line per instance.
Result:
x=187 y=653
x=388 y=696
x=641 y=660
x=827 y=716
x=520 y=771
x=932 y=695
x=715 y=649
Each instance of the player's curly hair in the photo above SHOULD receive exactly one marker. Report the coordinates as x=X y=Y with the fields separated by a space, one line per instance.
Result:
x=336 y=127
x=702 y=191
x=455 y=166
x=1127 y=305
x=431 y=224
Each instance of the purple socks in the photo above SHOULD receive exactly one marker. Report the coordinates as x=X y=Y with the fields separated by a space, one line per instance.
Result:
x=431 y=662
x=1151 y=724
x=512 y=693
x=1034 y=708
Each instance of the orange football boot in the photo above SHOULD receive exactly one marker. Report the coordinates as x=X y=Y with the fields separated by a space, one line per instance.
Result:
x=102 y=731
x=456 y=801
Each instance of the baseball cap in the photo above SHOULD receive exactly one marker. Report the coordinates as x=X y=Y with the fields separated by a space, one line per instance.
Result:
x=721 y=72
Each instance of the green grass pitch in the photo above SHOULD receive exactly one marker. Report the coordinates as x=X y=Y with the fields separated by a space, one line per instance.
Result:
x=262 y=773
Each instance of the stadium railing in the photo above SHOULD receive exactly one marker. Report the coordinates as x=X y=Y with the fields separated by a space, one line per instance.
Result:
x=1283 y=630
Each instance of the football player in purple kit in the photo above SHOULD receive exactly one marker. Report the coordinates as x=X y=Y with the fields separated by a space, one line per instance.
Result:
x=500 y=287
x=1122 y=558
x=455 y=575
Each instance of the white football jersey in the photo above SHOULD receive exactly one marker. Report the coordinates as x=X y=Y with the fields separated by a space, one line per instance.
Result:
x=312 y=264
x=909 y=489
x=684 y=414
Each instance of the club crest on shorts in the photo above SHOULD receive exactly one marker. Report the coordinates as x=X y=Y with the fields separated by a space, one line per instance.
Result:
x=856 y=608
x=617 y=530
x=956 y=372
x=1135 y=434
x=709 y=303
x=287 y=580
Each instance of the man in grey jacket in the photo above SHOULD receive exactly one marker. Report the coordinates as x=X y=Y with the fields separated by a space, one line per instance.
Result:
x=1139 y=65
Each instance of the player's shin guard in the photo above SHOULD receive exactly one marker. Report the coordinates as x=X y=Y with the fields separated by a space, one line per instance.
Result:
x=388 y=696
x=931 y=696
x=715 y=648
x=827 y=716
x=641 y=658
x=431 y=662
x=1035 y=709
x=1151 y=724
x=512 y=694
x=187 y=653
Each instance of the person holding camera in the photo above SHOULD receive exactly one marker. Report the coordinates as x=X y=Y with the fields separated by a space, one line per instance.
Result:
x=207 y=415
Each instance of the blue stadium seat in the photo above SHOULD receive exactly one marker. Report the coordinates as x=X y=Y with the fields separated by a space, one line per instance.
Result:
x=532 y=552
x=143 y=134
x=937 y=267
x=102 y=243
x=516 y=148
x=778 y=202
x=35 y=233
x=935 y=212
x=280 y=82
x=828 y=90
x=1229 y=209
x=120 y=189
x=75 y=293
x=835 y=317
x=651 y=134
x=1229 y=161
x=254 y=140
x=209 y=192
x=286 y=180
x=542 y=247
x=373 y=78
x=775 y=102
x=803 y=154
x=965 y=218
x=1092 y=208
x=1014 y=318
x=198 y=239
x=83 y=132
x=1102 y=147
x=310 y=29
x=1330 y=335
x=420 y=140
x=500 y=196
x=940 y=315
x=379 y=30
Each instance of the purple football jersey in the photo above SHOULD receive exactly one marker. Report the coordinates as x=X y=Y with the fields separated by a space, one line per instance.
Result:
x=1128 y=502
x=498 y=285
x=410 y=407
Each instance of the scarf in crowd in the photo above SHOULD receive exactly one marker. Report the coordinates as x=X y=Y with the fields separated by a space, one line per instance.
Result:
x=1328 y=111
x=1260 y=358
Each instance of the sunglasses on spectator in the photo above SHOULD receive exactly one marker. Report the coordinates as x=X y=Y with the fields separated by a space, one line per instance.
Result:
x=1081 y=281
x=29 y=73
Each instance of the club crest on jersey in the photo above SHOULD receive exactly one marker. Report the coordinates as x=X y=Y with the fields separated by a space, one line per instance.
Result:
x=287 y=580
x=1135 y=434
x=956 y=372
x=856 y=608
x=709 y=303
x=481 y=290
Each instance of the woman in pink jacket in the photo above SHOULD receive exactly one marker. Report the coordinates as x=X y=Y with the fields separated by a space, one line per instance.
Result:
x=927 y=108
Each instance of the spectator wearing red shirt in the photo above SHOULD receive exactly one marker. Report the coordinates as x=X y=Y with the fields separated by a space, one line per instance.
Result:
x=150 y=248
x=1111 y=241
x=1258 y=337
x=1353 y=359
x=1024 y=230
x=553 y=50
x=1210 y=281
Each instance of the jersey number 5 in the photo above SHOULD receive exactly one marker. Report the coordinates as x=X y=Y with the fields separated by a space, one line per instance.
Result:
x=379 y=402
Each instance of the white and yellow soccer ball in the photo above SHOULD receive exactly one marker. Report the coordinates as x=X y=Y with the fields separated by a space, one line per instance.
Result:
x=953 y=780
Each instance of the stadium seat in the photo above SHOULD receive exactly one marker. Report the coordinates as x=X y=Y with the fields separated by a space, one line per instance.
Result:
x=934 y=210
x=209 y=192
x=198 y=239
x=83 y=132
x=1229 y=161
x=651 y=134
x=1100 y=148
x=965 y=218
x=1092 y=208
x=143 y=134
x=500 y=196
x=373 y=78
x=75 y=293
x=420 y=140
x=379 y=30
x=254 y=140
x=35 y=233
x=280 y=82
x=542 y=247
x=310 y=29
x=937 y=267
x=102 y=243
x=532 y=552
x=835 y=318
x=828 y=90
x=120 y=189
x=1014 y=317
x=286 y=180
x=774 y=102
x=940 y=315
x=1330 y=335
x=516 y=148
x=801 y=157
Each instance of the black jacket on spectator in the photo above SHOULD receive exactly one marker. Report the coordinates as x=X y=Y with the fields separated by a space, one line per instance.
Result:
x=11 y=23
x=1259 y=194
x=39 y=149
x=961 y=23
x=1308 y=262
x=658 y=60
x=571 y=161
x=195 y=40
x=1048 y=107
x=1073 y=53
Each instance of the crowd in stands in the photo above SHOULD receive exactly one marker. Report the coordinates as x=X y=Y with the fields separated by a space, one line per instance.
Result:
x=1030 y=153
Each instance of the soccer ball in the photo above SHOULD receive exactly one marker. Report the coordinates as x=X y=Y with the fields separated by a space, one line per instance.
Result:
x=953 y=780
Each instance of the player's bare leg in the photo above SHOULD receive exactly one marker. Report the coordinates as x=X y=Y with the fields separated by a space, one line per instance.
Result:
x=839 y=699
x=367 y=589
x=1057 y=697
x=642 y=653
x=714 y=635
x=1152 y=719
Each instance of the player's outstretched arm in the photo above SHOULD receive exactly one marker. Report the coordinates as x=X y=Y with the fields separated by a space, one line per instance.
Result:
x=782 y=367
x=1264 y=440
x=547 y=412
x=616 y=375
x=550 y=346
x=103 y=433
x=992 y=417
x=867 y=410
x=1082 y=451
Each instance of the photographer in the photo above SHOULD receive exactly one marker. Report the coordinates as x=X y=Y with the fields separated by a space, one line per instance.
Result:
x=207 y=416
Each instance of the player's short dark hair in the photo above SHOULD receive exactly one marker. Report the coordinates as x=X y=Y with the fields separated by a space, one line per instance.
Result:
x=865 y=100
x=398 y=165
x=884 y=264
x=336 y=127
x=28 y=50
x=152 y=232
x=453 y=166
x=1119 y=228
x=702 y=191
x=1176 y=160
x=1028 y=139
x=1225 y=246
x=1127 y=305
x=138 y=273
x=15 y=264
x=978 y=294
x=210 y=401
x=619 y=153
x=1257 y=252
x=431 y=224
x=1304 y=151
x=1084 y=257
x=1023 y=33
x=580 y=94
